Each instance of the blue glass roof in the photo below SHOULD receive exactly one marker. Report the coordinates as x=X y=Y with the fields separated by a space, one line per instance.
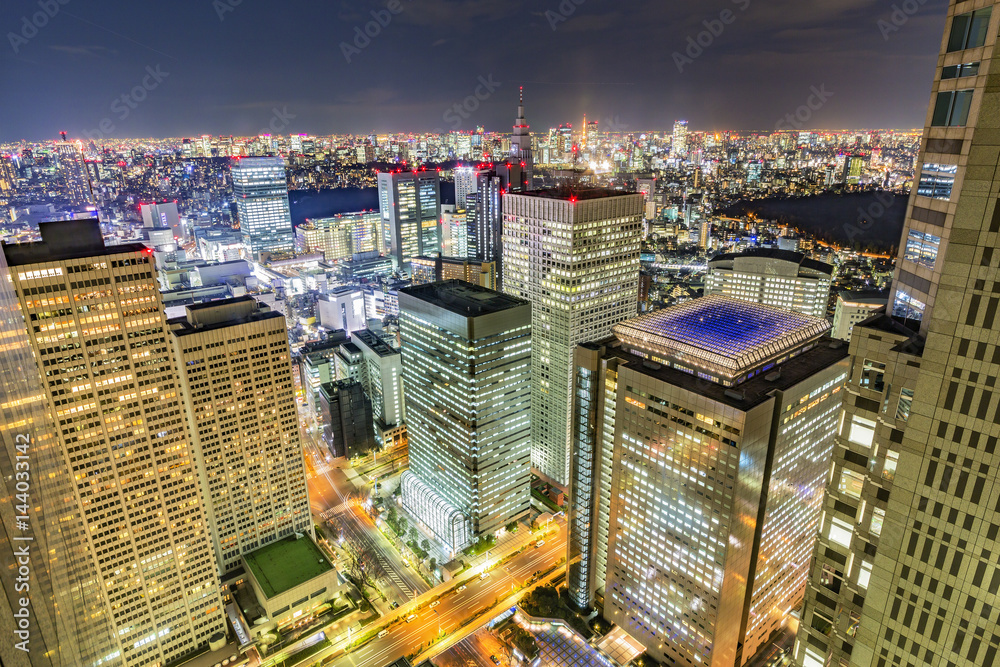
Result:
x=720 y=333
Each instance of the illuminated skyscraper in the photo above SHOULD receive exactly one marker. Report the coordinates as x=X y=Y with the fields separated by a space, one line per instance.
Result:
x=520 y=146
x=702 y=435
x=679 y=138
x=465 y=184
x=261 y=192
x=466 y=364
x=239 y=397
x=73 y=172
x=575 y=255
x=410 y=204
x=906 y=569
x=110 y=381
x=773 y=277
x=65 y=620
x=382 y=378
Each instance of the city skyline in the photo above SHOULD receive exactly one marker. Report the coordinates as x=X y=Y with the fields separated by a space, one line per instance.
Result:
x=249 y=90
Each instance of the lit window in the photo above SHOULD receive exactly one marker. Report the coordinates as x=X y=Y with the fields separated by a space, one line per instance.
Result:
x=840 y=532
x=922 y=248
x=864 y=574
x=889 y=468
x=851 y=483
x=878 y=518
x=937 y=180
x=862 y=431
x=905 y=401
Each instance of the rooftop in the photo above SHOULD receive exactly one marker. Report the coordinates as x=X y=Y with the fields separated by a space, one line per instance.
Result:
x=371 y=340
x=285 y=564
x=66 y=239
x=720 y=332
x=219 y=314
x=775 y=254
x=750 y=393
x=575 y=194
x=463 y=298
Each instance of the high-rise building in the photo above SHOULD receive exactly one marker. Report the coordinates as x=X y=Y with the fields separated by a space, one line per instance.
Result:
x=53 y=612
x=854 y=307
x=162 y=215
x=926 y=594
x=239 y=397
x=343 y=308
x=382 y=379
x=574 y=253
x=261 y=192
x=347 y=418
x=73 y=171
x=334 y=237
x=773 y=277
x=521 y=152
x=679 y=139
x=434 y=269
x=702 y=437
x=102 y=348
x=410 y=205
x=466 y=364
x=465 y=184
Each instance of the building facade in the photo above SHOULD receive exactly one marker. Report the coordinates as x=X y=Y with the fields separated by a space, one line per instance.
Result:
x=382 y=379
x=261 y=193
x=851 y=308
x=239 y=397
x=466 y=364
x=931 y=595
x=575 y=255
x=347 y=418
x=773 y=277
x=702 y=434
x=410 y=206
x=101 y=343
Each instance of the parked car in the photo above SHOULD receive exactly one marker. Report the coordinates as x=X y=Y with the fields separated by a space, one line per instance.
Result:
x=410 y=617
x=461 y=588
x=539 y=543
x=435 y=603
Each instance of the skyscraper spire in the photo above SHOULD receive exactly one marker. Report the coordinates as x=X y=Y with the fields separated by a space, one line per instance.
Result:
x=520 y=141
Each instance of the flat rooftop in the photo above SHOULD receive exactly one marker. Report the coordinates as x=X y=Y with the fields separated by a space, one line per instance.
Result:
x=463 y=298
x=774 y=254
x=569 y=193
x=371 y=340
x=285 y=564
x=718 y=331
x=66 y=239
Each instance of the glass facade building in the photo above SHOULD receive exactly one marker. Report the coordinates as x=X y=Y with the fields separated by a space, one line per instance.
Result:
x=466 y=363
x=694 y=503
x=410 y=207
x=261 y=192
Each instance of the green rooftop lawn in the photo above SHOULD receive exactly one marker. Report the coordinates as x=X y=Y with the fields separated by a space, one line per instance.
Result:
x=285 y=564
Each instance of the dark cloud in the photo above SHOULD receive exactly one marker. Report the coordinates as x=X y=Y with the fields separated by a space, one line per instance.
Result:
x=228 y=70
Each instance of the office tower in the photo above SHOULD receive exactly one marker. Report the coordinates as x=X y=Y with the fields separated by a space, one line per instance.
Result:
x=239 y=398
x=318 y=366
x=679 y=138
x=110 y=380
x=574 y=253
x=410 y=204
x=465 y=184
x=162 y=215
x=705 y=235
x=647 y=188
x=7 y=178
x=702 y=437
x=520 y=147
x=348 y=362
x=454 y=232
x=73 y=172
x=930 y=597
x=854 y=307
x=853 y=166
x=773 y=277
x=382 y=379
x=261 y=193
x=68 y=622
x=334 y=237
x=347 y=418
x=466 y=364
x=434 y=269
x=343 y=308
x=366 y=235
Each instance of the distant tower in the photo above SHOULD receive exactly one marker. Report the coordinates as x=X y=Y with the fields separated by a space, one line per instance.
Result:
x=520 y=142
x=679 y=138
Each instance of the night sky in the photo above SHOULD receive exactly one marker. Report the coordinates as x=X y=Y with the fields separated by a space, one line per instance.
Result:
x=242 y=66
